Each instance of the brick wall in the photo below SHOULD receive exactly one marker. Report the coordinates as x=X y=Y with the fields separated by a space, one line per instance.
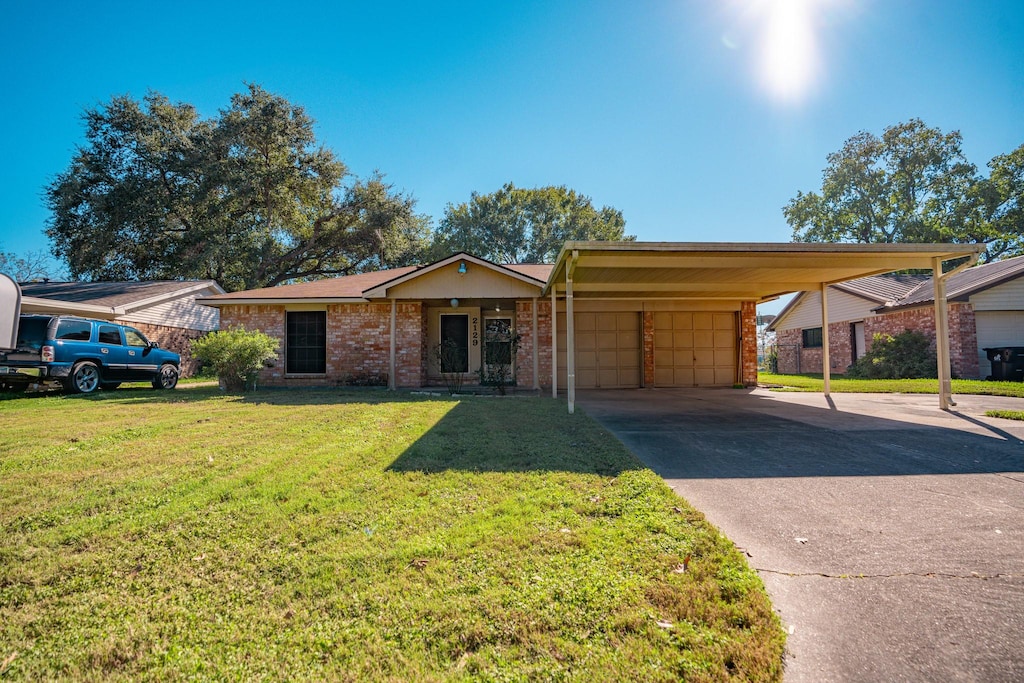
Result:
x=524 y=358
x=748 y=343
x=173 y=339
x=647 y=322
x=358 y=341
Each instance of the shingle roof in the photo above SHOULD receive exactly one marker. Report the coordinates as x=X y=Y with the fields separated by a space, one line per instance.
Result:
x=345 y=287
x=962 y=285
x=111 y=294
x=882 y=288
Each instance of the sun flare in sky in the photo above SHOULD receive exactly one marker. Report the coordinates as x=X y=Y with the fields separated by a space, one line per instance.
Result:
x=786 y=46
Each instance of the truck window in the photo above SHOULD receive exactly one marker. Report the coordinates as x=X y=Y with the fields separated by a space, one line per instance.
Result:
x=73 y=330
x=134 y=338
x=109 y=335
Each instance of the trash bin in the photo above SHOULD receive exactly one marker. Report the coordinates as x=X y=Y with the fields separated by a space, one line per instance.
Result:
x=1007 y=363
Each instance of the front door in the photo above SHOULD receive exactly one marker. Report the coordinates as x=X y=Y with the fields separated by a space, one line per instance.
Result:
x=454 y=355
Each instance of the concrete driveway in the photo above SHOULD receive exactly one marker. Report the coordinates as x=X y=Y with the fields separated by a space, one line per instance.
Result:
x=890 y=535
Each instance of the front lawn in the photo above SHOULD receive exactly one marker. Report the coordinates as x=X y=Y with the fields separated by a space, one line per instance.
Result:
x=355 y=536
x=841 y=384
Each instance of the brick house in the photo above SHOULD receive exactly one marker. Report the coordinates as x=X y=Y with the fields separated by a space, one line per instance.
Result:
x=165 y=311
x=985 y=305
x=340 y=331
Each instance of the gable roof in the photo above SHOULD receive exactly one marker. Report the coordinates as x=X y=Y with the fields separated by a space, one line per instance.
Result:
x=962 y=285
x=360 y=287
x=115 y=298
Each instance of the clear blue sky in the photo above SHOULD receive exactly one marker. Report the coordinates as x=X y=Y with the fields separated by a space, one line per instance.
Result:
x=659 y=108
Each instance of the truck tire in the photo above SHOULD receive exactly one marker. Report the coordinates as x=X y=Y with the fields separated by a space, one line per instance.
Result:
x=84 y=378
x=167 y=378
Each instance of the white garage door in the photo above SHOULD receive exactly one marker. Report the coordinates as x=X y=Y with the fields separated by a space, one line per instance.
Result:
x=694 y=349
x=995 y=329
x=608 y=350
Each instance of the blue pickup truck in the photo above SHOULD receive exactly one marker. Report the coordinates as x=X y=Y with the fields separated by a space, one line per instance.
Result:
x=84 y=355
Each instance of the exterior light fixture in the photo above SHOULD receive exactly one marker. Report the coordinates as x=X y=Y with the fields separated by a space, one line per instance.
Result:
x=497 y=308
x=462 y=268
x=454 y=303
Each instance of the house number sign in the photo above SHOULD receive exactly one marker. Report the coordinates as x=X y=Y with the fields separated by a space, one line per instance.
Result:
x=475 y=331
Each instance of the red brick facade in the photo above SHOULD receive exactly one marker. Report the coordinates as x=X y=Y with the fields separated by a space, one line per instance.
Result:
x=524 y=358
x=748 y=343
x=963 y=340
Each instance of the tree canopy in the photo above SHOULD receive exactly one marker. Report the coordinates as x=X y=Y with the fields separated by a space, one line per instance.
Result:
x=247 y=197
x=914 y=184
x=518 y=225
x=34 y=265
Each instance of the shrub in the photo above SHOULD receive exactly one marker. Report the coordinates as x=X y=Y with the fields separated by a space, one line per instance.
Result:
x=905 y=356
x=236 y=355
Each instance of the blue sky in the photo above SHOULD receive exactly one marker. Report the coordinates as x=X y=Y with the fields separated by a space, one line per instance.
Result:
x=658 y=108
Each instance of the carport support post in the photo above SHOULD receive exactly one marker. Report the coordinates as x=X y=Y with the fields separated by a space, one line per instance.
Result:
x=825 y=361
x=942 y=335
x=570 y=334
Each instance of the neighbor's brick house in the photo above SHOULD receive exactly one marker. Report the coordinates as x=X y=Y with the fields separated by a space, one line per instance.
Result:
x=985 y=304
x=165 y=311
x=387 y=326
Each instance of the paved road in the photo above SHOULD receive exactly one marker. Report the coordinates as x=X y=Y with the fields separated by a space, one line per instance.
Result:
x=890 y=535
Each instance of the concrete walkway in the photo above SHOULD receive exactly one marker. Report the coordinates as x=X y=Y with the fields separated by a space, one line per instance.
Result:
x=890 y=535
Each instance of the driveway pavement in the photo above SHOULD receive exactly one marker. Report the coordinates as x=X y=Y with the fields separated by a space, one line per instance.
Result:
x=890 y=535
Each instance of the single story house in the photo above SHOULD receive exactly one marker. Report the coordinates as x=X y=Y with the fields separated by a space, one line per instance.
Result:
x=165 y=311
x=986 y=310
x=604 y=315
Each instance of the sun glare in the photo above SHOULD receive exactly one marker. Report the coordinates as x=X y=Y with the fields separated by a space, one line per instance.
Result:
x=789 y=60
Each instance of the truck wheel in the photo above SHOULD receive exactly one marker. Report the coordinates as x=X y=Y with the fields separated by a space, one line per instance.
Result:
x=84 y=378
x=167 y=378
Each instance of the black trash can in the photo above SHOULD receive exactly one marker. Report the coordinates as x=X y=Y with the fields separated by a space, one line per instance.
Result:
x=1007 y=363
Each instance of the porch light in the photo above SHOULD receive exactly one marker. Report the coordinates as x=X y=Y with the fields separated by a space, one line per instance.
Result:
x=462 y=268
x=497 y=308
x=454 y=303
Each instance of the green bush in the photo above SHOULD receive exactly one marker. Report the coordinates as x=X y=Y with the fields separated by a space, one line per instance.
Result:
x=236 y=355
x=905 y=356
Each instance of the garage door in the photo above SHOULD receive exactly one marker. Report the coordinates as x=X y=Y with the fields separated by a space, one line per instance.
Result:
x=608 y=350
x=997 y=328
x=694 y=349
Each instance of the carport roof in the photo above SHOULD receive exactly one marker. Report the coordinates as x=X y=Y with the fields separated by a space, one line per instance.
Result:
x=730 y=270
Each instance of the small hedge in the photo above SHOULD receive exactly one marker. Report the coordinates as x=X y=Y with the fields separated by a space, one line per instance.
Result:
x=906 y=355
x=236 y=355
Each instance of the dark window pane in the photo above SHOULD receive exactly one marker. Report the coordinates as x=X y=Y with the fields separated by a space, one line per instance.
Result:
x=74 y=330
x=812 y=338
x=109 y=335
x=306 y=343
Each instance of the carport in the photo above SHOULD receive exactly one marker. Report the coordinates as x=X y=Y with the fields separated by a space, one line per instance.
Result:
x=634 y=292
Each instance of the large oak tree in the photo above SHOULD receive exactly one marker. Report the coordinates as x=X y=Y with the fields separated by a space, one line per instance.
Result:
x=518 y=225
x=914 y=184
x=248 y=198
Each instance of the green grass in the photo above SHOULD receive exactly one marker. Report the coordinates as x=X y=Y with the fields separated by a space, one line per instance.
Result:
x=1006 y=414
x=360 y=535
x=840 y=384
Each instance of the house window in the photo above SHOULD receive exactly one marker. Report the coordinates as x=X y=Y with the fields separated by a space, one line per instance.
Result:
x=812 y=338
x=306 y=343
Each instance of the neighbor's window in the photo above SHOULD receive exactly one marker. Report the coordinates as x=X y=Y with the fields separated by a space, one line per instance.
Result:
x=306 y=343
x=74 y=330
x=812 y=338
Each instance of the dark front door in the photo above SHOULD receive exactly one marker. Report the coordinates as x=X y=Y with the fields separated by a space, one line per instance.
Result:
x=454 y=342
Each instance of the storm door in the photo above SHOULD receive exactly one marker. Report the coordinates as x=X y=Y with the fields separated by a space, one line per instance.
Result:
x=498 y=366
x=454 y=342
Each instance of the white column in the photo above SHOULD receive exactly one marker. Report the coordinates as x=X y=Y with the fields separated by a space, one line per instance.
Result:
x=570 y=340
x=554 y=343
x=826 y=369
x=942 y=336
x=536 y=347
x=392 y=380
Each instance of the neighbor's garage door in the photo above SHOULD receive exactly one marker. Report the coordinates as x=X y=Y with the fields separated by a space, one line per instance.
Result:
x=694 y=349
x=995 y=329
x=608 y=350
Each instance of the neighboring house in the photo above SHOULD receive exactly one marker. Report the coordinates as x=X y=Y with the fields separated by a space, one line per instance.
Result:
x=165 y=311
x=985 y=304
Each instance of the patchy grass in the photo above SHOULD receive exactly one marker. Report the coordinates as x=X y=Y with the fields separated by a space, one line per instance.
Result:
x=355 y=535
x=891 y=386
x=1006 y=414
